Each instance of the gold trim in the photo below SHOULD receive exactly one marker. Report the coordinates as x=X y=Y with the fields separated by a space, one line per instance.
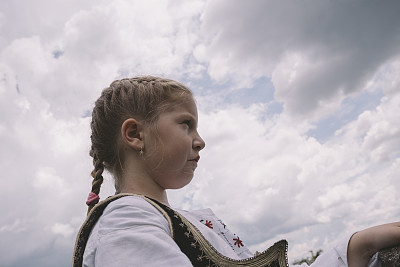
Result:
x=277 y=251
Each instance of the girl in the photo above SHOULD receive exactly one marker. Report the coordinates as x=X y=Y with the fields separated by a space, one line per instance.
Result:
x=144 y=132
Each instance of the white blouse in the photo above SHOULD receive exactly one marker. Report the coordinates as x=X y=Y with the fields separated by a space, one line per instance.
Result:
x=132 y=232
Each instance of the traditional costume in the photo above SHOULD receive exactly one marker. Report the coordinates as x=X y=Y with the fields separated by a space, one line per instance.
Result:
x=134 y=230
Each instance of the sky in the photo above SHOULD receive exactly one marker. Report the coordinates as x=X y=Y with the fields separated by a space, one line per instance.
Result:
x=299 y=106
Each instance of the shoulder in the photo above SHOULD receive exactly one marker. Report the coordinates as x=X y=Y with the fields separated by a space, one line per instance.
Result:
x=131 y=212
x=131 y=231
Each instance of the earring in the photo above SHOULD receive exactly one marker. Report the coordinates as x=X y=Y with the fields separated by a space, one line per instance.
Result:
x=141 y=152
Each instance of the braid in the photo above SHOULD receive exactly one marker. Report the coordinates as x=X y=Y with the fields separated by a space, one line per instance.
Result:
x=97 y=175
x=143 y=98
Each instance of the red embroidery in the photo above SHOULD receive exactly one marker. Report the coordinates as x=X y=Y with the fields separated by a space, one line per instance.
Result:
x=238 y=242
x=209 y=224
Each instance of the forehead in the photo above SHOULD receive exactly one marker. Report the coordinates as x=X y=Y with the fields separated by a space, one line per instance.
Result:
x=187 y=106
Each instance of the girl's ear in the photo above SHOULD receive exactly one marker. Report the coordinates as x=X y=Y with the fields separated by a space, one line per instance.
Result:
x=132 y=133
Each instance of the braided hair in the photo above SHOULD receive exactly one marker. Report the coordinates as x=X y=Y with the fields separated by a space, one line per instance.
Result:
x=143 y=97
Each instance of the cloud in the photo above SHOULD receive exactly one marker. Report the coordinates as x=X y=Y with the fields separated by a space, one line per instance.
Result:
x=41 y=17
x=63 y=229
x=13 y=227
x=315 y=53
x=44 y=162
x=95 y=46
x=47 y=178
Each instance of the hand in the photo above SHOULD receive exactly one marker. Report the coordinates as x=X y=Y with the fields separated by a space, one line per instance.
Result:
x=364 y=244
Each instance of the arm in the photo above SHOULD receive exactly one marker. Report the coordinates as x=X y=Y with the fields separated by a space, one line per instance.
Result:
x=364 y=244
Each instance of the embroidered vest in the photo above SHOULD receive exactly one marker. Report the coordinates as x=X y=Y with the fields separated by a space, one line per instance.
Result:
x=189 y=239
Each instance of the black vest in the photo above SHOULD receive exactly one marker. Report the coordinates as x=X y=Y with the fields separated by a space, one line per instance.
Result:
x=189 y=239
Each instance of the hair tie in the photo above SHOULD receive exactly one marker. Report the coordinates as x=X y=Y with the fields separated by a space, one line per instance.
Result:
x=93 y=199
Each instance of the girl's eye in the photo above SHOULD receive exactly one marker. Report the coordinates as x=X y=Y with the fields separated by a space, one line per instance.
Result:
x=187 y=122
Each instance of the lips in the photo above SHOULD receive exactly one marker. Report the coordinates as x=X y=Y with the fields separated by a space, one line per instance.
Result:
x=196 y=159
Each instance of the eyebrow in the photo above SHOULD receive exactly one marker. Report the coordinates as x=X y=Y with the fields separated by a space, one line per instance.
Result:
x=188 y=114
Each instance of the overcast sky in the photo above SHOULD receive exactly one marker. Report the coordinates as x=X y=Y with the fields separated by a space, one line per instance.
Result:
x=299 y=105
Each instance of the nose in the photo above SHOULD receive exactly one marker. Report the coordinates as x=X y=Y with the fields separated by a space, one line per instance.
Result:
x=198 y=142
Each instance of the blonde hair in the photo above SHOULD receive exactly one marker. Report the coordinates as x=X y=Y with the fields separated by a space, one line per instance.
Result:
x=145 y=98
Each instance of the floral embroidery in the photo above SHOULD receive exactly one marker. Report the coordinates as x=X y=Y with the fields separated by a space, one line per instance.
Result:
x=238 y=242
x=209 y=224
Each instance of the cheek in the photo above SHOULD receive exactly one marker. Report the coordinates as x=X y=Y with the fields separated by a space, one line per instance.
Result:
x=175 y=156
x=177 y=143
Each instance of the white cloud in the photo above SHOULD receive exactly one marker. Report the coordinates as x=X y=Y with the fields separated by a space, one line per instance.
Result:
x=101 y=43
x=377 y=130
x=13 y=227
x=330 y=49
x=63 y=229
x=42 y=17
x=46 y=177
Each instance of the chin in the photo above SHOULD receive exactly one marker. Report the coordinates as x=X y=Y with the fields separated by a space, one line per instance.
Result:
x=181 y=183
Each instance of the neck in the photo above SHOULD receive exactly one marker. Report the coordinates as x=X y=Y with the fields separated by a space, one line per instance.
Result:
x=159 y=195
x=135 y=181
